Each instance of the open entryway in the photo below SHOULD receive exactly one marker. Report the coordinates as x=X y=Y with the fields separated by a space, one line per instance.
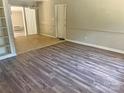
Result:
x=18 y=21
x=23 y=21
x=24 y=27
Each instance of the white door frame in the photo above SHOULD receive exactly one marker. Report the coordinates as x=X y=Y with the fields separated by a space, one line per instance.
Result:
x=24 y=21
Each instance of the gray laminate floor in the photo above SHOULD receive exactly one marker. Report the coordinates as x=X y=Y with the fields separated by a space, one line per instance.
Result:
x=63 y=68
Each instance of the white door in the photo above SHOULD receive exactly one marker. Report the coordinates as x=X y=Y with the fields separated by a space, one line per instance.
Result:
x=60 y=19
x=31 y=23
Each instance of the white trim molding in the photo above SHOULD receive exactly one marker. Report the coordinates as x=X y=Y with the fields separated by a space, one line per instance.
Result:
x=48 y=35
x=97 y=46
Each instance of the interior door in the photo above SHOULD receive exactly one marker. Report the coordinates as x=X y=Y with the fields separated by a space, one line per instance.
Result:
x=60 y=17
x=30 y=15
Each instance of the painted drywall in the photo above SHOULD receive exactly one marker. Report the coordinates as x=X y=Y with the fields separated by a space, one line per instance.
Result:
x=97 y=22
x=17 y=18
x=47 y=17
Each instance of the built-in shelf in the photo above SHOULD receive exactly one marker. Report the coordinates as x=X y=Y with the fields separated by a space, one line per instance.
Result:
x=2 y=17
x=3 y=54
x=3 y=27
x=6 y=45
x=3 y=36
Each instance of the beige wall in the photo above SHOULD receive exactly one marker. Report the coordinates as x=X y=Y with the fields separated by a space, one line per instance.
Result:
x=46 y=16
x=17 y=18
x=97 y=22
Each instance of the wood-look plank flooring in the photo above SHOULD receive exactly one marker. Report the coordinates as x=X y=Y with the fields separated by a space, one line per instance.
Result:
x=33 y=42
x=63 y=68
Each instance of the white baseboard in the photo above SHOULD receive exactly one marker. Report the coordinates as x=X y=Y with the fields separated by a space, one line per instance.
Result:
x=48 y=35
x=7 y=56
x=97 y=46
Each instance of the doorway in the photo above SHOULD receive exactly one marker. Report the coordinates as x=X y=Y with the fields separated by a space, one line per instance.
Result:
x=24 y=27
x=23 y=21
x=18 y=22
